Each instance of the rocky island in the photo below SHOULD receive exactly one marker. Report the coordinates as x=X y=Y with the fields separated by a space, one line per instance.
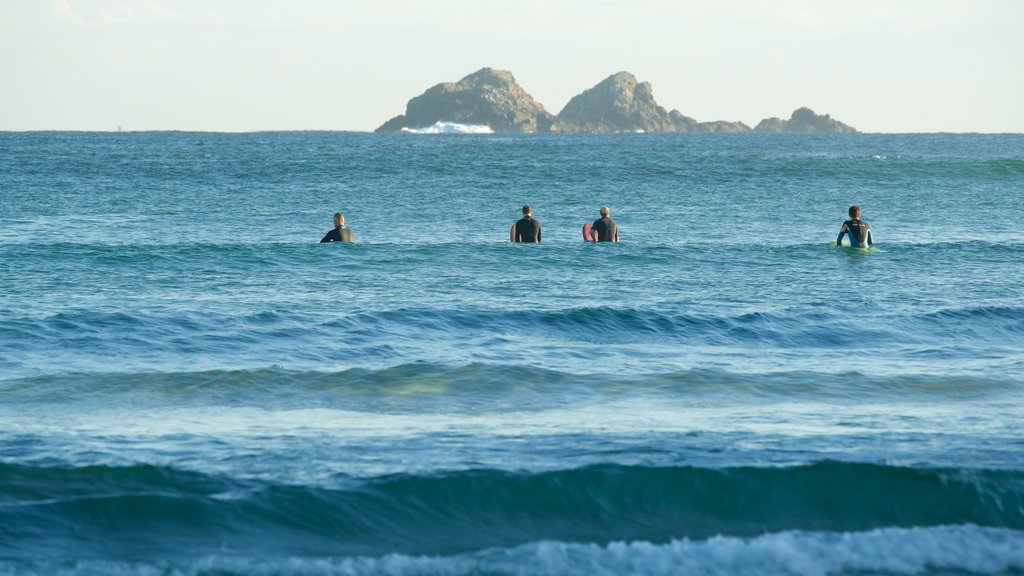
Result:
x=805 y=120
x=487 y=97
x=619 y=103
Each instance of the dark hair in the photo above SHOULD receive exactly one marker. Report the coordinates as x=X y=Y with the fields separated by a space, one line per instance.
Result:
x=527 y=209
x=336 y=214
x=854 y=209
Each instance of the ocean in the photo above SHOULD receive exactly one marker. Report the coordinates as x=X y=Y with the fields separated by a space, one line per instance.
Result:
x=191 y=384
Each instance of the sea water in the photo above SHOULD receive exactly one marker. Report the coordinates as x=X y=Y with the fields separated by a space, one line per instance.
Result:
x=191 y=384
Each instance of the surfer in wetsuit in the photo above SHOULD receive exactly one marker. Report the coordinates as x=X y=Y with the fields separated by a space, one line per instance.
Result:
x=859 y=230
x=526 y=229
x=604 y=229
x=340 y=233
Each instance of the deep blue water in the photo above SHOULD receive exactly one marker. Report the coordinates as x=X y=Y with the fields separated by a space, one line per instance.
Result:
x=191 y=384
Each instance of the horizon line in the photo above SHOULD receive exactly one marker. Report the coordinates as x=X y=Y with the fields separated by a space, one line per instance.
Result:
x=119 y=130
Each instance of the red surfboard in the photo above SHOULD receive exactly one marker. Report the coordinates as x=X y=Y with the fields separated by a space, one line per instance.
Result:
x=586 y=231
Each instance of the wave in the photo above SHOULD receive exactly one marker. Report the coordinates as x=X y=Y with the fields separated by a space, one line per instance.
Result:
x=943 y=550
x=157 y=512
x=561 y=338
x=475 y=387
x=988 y=169
x=899 y=167
x=450 y=128
x=798 y=326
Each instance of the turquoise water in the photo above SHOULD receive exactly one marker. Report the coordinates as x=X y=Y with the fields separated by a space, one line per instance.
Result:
x=191 y=384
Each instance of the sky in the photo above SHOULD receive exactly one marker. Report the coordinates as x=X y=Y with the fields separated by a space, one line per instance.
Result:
x=248 y=65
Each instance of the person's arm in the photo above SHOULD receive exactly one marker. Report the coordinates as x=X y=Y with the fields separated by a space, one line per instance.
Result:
x=327 y=238
x=538 y=231
x=870 y=239
x=512 y=233
x=593 y=234
x=842 y=232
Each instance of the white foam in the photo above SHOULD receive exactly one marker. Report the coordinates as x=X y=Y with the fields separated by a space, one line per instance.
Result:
x=936 y=550
x=968 y=549
x=451 y=128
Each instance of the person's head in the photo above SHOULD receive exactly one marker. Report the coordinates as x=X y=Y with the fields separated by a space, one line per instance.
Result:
x=339 y=218
x=527 y=211
x=605 y=212
x=855 y=211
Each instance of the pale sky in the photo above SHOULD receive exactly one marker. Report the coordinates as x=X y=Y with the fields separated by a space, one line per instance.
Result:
x=220 y=65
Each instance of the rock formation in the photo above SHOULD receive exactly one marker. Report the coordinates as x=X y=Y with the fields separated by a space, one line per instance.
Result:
x=617 y=104
x=720 y=126
x=486 y=97
x=805 y=120
x=620 y=103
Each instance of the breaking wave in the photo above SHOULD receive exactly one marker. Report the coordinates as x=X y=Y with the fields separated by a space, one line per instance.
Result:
x=450 y=128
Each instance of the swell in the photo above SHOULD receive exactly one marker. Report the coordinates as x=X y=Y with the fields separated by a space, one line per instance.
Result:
x=860 y=166
x=143 y=511
x=476 y=387
x=799 y=326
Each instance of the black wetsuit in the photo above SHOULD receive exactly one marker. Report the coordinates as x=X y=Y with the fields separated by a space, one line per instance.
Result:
x=340 y=234
x=606 y=228
x=527 y=230
x=859 y=231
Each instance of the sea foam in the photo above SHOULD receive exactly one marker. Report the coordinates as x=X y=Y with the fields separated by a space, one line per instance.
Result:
x=450 y=128
x=940 y=550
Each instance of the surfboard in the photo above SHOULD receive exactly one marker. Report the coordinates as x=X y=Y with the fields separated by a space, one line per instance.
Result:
x=586 y=231
x=846 y=244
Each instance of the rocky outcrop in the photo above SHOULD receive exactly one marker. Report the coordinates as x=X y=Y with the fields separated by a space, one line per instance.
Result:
x=682 y=122
x=805 y=120
x=720 y=126
x=620 y=103
x=487 y=97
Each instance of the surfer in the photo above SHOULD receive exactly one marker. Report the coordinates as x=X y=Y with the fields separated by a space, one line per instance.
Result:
x=340 y=233
x=604 y=229
x=526 y=229
x=859 y=230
